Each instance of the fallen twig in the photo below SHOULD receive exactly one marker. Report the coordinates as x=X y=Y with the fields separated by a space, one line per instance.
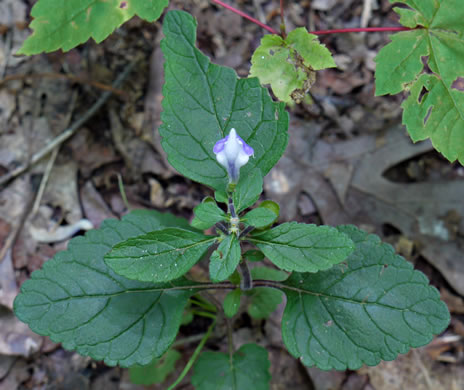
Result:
x=70 y=131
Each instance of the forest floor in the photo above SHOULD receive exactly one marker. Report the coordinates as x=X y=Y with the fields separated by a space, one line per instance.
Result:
x=349 y=160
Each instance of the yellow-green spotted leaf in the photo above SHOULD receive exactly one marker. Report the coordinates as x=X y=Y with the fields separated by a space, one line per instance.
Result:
x=288 y=65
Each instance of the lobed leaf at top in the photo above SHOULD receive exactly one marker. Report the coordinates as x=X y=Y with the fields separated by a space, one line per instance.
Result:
x=63 y=25
x=203 y=101
x=435 y=106
x=77 y=300
x=371 y=308
x=288 y=64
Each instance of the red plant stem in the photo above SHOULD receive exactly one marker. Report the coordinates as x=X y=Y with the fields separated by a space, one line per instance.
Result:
x=244 y=15
x=365 y=29
x=320 y=32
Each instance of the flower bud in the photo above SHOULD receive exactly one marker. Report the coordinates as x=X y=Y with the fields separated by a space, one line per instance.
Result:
x=232 y=153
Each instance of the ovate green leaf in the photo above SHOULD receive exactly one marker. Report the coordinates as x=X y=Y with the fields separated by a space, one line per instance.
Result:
x=64 y=25
x=225 y=259
x=371 y=308
x=161 y=255
x=203 y=101
x=260 y=217
x=207 y=214
x=304 y=248
x=156 y=371
x=288 y=65
x=435 y=106
x=249 y=369
x=80 y=302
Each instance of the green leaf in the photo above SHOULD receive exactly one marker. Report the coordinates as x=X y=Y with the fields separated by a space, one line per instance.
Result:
x=225 y=259
x=288 y=65
x=231 y=302
x=249 y=369
x=155 y=372
x=203 y=101
x=247 y=192
x=158 y=256
x=207 y=214
x=254 y=255
x=260 y=217
x=264 y=300
x=80 y=302
x=304 y=248
x=267 y=273
x=271 y=205
x=435 y=107
x=400 y=62
x=64 y=26
x=372 y=308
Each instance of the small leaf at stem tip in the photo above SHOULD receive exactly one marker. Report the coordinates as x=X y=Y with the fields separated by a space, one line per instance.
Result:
x=207 y=214
x=259 y=217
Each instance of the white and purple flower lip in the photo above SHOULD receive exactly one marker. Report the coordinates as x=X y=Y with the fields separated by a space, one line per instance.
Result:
x=232 y=152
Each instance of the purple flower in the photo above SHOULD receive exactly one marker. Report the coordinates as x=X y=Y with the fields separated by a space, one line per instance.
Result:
x=232 y=153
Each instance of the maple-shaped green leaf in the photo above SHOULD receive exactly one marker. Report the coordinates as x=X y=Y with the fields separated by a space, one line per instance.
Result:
x=158 y=256
x=78 y=301
x=248 y=369
x=372 y=307
x=203 y=101
x=434 y=108
x=288 y=65
x=300 y=247
x=225 y=259
x=63 y=25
